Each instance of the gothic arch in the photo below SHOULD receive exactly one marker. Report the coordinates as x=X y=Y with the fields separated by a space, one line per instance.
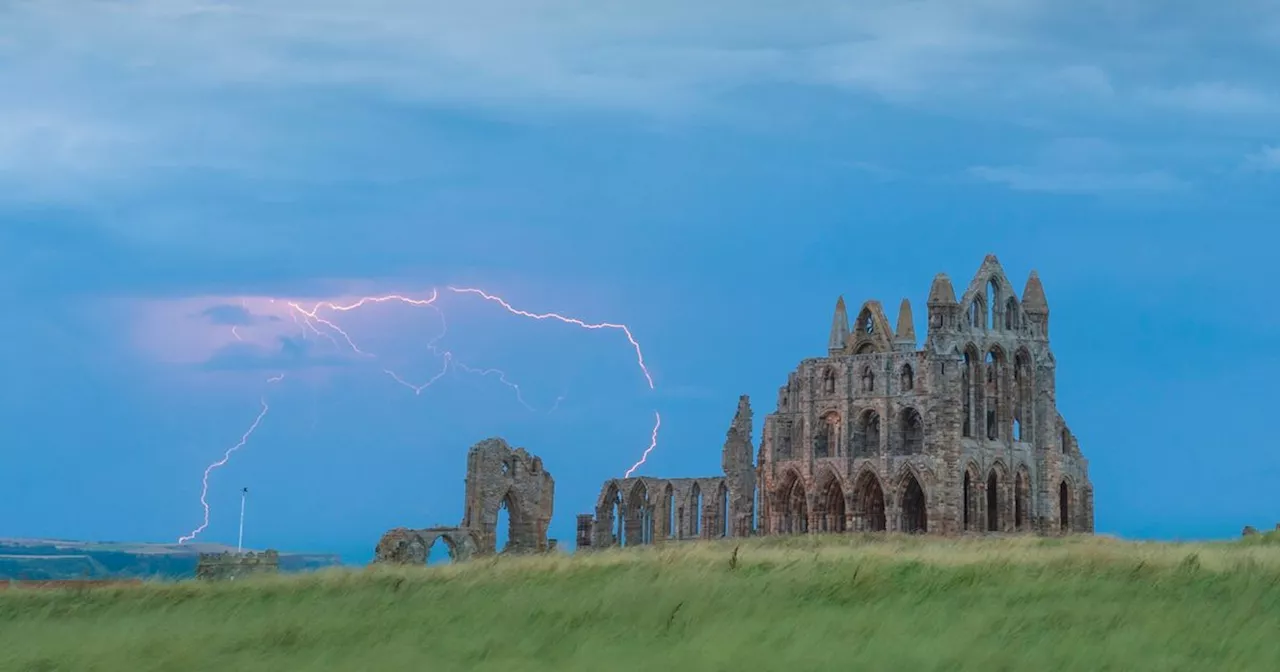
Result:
x=867 y=434
x=695 y=509
x=828 y=380
x=910 y=431
x=639 y=515
x=669 y=510
x=1021 y=498
x=871 y=330
x=993 y=375
x=1066 y=505
x=868 y=502
x=976 y=313
x=970 y=510
x=997 y=499
x=827 y=436
x=913 y=502
x=970 y=375
x=516 y=522
x=793 y=504
x=1023 y=394
x=867 y=381
x=610 y=515
x=907 y=378
x=1012 y=317
x=830 y=502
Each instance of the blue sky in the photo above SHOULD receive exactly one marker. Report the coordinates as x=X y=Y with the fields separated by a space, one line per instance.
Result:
x=711 y=176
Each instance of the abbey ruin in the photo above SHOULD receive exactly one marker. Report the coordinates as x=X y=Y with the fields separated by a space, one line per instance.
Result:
x=962 y=435
x=498 y=477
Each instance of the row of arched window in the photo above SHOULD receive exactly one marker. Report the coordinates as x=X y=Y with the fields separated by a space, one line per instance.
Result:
x=831 y=440
x=991 y=407
x=633 y=519
x=867 y=380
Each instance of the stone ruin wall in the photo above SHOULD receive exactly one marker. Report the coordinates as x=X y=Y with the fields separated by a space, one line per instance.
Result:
x=229 y=566
x=498 y=477
x=962 y=436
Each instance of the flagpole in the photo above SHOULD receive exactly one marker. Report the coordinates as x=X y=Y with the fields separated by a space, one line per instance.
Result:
x=244 y=493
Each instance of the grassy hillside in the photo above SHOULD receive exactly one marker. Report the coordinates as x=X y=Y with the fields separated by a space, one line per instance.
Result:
x=817 y=603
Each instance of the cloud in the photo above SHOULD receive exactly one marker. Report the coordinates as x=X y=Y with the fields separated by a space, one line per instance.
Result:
x=1265 y=159
x=1078 y=166
x=1025 y=178
x=293 y=354
x=232 y=86
x=1214 y=98
x=238 y=316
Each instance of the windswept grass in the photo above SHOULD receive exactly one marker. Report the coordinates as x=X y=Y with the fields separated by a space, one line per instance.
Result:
x=789 y=604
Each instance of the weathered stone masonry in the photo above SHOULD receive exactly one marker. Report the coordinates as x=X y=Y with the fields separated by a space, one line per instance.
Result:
x=963 y=435
x=498 y=477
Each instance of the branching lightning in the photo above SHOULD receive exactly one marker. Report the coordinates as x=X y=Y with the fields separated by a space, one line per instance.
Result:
x=204 y=480
x=311 y=320
x=585 y=325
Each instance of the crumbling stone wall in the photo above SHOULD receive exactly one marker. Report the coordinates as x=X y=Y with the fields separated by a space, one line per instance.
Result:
x=228 y=566
x=404 y=546
x=961 y=436
x=646 y=510
x=498 y=477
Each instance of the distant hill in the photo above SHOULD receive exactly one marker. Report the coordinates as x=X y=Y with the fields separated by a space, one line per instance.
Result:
x=58 y=559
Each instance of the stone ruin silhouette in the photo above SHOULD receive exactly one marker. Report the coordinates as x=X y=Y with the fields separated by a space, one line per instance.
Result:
x=498 y=477
x=958 y=435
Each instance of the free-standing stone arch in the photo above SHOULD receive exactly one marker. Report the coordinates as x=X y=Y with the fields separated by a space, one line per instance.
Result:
x=403 y=546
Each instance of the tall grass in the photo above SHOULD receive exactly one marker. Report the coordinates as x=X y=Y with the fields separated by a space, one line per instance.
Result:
x=790 y=604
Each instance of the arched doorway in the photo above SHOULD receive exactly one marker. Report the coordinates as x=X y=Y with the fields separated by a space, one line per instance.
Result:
x=1021 y=500
x=1064 y=507
x=833 y=510
x=993 y=502
x=915 y=519
x=868 y=501
x=794 y=506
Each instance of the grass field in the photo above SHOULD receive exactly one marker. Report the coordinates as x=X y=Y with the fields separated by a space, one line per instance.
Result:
x=788 y=604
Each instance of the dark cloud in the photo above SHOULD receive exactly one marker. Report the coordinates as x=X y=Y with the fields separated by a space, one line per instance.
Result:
x=292 y=354
x=229 y=315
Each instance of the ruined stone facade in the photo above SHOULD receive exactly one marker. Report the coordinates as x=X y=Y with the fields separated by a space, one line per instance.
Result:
x=498 y=477
x=963 y=435
x=229 y=566
x=645 y=510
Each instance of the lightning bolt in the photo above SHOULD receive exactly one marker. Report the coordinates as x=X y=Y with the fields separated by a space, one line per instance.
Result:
x=653 y=443
x=585 y=325
x=235 y=332
x=567 y=320
x=226 y=457
x=310 y=319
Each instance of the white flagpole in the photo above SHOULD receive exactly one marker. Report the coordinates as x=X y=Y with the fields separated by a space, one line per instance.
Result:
x=240 y=543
